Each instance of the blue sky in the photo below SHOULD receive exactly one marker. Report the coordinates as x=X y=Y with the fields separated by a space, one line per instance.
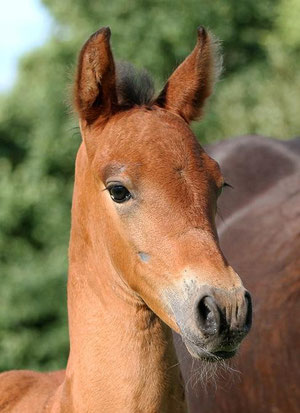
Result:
x=24 y=24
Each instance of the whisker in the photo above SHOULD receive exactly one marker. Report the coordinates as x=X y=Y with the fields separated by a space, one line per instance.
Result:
x=174 y=365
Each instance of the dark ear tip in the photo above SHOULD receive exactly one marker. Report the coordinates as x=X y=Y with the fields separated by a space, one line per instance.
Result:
x=202 y=33
x=104 y=32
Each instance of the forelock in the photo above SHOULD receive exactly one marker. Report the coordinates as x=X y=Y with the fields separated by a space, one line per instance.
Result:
x=134 y=87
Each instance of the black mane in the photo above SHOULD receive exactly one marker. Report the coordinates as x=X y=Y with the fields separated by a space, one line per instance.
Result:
x=134 y=87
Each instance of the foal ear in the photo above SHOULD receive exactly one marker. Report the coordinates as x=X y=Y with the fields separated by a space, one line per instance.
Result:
x=192 y=82
x=95 y=85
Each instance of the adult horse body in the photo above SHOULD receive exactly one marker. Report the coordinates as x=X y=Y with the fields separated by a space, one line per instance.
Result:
x=144 y=256
x=260 y=234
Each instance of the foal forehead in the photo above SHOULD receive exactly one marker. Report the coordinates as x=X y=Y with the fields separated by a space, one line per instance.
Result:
x=152 y=134
x=155 y=138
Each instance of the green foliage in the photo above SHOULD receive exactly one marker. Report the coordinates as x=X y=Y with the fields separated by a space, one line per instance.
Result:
x=258 y=93
x=36 y=168
x=263 y=97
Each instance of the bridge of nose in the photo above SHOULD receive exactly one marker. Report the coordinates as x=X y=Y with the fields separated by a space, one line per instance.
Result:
x=210 y=275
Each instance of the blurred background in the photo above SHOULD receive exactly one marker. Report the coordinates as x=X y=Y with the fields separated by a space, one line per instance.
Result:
x=259 y=93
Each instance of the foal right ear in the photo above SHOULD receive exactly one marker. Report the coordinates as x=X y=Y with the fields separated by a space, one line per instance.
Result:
x=192 y=82
x=95 y=85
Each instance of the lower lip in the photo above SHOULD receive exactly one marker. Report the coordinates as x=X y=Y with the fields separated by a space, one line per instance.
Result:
x=224 y=354
x=216 y=356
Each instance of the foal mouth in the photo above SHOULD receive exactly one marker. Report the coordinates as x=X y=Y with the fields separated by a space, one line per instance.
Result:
x=197 y=351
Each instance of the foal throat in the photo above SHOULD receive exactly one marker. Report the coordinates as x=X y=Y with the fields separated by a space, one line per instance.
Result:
x=122 y=356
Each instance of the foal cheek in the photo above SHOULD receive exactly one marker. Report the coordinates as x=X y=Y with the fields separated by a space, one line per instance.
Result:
x=117 y=243
x=122 y=258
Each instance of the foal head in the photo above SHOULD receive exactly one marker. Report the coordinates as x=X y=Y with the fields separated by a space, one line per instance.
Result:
x=153 y=192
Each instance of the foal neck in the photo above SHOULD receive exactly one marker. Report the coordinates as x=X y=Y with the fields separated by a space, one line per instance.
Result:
x=122 y=357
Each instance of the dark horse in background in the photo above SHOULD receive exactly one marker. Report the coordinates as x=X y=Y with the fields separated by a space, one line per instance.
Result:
x=259 y=233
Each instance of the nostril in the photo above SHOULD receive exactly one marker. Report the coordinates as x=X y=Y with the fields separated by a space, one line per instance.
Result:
x=203 y=308
x=208 y=315
x=248 y=319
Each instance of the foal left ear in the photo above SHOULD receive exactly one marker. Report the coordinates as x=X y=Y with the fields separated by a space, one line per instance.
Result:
x=192 y=82
x=95 y=85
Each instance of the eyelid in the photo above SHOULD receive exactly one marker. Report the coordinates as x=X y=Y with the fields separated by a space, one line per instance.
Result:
x=109 y=184
x=123 y=180
x=227 y=184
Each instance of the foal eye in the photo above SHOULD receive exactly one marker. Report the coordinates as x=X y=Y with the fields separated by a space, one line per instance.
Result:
x=226 y=184
x=119 y=193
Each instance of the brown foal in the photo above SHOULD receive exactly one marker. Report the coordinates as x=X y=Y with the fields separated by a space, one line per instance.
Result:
x=144 y=256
